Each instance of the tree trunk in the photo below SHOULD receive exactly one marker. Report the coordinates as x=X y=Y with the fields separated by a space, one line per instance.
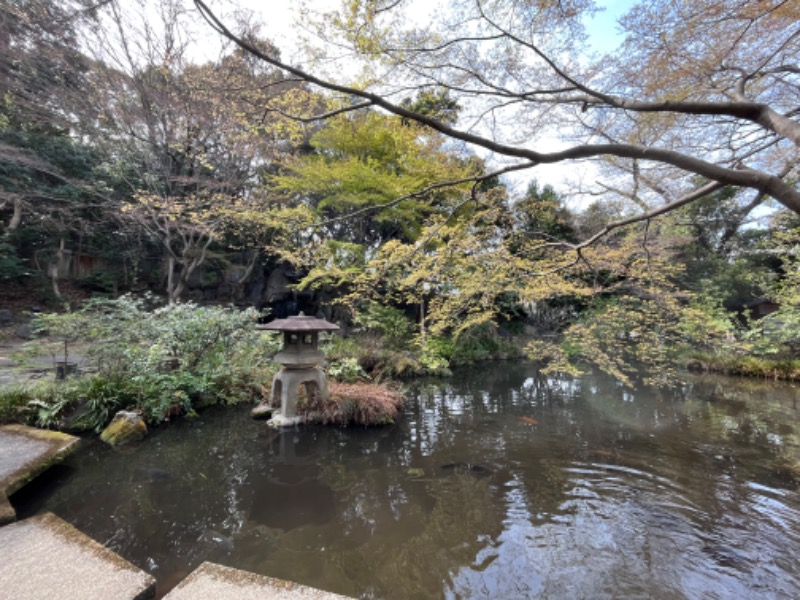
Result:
x=171 y=279
x=238 y=289
x=16 y=217
x=422 y=319
x=54 y=268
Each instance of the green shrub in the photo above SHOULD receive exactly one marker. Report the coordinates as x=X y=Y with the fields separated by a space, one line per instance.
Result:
x=439 y=346
x=435 y=354
x=161 y=361
x=14 y=401
x=103 y=282
x=483 y=343
x=391 y=323
x=79 y=404
x=383 y=357
x=346 y=370
x=337 y=347
x=777 y=334
x=40 y=402
x=746 y=365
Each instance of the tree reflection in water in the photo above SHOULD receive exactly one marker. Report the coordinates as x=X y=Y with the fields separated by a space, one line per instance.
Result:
x=497 y=483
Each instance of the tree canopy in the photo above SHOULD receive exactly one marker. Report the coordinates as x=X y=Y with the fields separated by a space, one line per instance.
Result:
x=373 y=169
x=700 y=95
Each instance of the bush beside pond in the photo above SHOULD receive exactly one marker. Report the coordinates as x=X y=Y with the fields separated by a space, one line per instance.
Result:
x=394 y=357
x=162 y=362
x=14 y=401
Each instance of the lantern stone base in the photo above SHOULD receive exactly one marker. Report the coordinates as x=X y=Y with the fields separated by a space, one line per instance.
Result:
x=262 y=411
x=285 y=386
x=279 y=421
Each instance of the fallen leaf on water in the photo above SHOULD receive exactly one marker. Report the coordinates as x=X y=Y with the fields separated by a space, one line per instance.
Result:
x=529 y=420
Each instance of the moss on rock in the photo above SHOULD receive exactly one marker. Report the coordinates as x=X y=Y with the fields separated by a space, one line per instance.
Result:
x=126 y=428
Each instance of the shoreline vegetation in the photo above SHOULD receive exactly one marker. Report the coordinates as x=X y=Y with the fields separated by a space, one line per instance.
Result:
x=754 y=367
x=354 y=404
x=168 y=361
x=86 y=403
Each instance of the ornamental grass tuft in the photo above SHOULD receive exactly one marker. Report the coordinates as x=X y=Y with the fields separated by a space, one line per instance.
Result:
x=366 y=404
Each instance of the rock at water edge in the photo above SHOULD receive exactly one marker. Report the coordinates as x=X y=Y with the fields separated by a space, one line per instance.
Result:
x=126 y=428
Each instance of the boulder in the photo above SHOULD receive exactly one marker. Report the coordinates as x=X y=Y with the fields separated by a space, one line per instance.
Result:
x=127 y=427
x=24 y=331
x=6 y=316
x=696 y=366
x=262 y=411
x=277 y=287
x=234 y=274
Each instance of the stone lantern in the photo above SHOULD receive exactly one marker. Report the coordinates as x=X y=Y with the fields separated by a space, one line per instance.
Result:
x=298 y=359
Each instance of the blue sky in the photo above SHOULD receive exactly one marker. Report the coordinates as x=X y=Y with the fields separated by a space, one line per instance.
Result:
x=602 y=28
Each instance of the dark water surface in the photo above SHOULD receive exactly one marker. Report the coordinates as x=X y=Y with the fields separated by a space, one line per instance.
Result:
x=498 y=483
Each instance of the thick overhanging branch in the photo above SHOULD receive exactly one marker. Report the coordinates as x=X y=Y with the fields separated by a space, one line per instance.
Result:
x=771 y=185
x=322 y=116
x=648 y=215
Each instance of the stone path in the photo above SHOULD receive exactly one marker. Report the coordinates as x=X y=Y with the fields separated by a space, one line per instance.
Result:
x=24 y=453
x=12 y=372
x=8 y=365
x=44 y=557
x=215 y=582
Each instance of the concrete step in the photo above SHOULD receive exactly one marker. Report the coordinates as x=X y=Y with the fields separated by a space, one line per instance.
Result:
x=25 y=452
x=211 y=581
x=44 y=557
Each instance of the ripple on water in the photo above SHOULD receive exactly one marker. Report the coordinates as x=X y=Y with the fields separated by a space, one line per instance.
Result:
x=599 y=492
x=621 y=531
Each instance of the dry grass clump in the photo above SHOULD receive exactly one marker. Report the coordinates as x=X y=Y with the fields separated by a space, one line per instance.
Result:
x=366 y=404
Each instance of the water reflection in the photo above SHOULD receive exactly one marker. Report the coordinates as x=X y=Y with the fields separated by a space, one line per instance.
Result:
x=498 y=483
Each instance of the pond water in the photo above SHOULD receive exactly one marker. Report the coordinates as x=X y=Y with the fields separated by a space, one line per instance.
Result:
x=497 y=483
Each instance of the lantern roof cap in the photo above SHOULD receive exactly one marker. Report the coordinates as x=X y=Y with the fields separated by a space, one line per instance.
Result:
x=299 y=322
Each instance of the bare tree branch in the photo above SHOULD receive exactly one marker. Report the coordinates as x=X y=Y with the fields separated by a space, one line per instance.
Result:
x=650 y=214
x=423 y=192
x=771 y=185
x=321 y=116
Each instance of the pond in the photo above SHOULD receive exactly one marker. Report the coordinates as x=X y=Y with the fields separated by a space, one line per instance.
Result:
x=497 y=483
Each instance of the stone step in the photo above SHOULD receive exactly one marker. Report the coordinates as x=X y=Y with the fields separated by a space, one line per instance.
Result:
x=45 y=557
x=211 y=581
x=25 y=452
